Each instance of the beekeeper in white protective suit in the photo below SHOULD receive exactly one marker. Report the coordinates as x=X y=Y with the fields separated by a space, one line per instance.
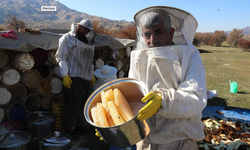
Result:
x=75 y=58
x=171 y=67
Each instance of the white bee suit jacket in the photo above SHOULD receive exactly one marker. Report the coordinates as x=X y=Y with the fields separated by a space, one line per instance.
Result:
x=177 y=73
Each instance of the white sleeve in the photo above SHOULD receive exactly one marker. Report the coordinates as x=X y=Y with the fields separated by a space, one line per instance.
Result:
x=190 y=98
x=62 y=54
x=63 y=68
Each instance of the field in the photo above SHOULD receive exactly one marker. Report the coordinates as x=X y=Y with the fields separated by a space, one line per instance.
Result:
x=224 y=64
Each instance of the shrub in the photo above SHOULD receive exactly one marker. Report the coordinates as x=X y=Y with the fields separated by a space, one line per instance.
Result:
x=244 y=44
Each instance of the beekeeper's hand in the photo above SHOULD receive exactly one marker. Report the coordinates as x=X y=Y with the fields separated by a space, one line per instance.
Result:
x=153 y=104
x=93 y=81
x=98 y=134
x=67 y=82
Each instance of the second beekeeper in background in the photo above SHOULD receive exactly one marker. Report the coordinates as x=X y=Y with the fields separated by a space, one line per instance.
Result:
x=75 y=57
x=165 y=59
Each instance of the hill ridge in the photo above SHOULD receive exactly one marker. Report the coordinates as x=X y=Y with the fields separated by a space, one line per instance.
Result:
x=30 y=12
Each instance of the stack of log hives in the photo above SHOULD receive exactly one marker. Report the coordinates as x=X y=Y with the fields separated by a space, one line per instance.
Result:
x=27 y=83
x=119 y=58
x=30 y=80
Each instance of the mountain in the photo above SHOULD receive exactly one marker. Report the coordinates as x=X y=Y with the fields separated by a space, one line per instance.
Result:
x=246 y=30
x=30 y=12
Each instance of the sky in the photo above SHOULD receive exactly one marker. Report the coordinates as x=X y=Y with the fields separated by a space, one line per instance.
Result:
x=211 y=14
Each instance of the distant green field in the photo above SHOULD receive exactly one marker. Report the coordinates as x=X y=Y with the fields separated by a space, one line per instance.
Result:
x=224 y=64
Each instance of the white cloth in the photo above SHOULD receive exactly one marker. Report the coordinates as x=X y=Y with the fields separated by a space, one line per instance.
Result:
x=177 y=73
x=56 y=85
x=211 y=94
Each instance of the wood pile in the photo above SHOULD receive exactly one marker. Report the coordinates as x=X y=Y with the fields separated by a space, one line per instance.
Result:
x=224 y=134
x=30 y=81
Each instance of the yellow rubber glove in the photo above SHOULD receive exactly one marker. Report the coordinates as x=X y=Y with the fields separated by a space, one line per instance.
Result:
x=98 y=134
x=93 y=81
x=67 y=82
x=154 y=103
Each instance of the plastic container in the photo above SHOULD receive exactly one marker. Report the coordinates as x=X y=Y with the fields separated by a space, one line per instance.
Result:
x=233 y=87
x=57 y=110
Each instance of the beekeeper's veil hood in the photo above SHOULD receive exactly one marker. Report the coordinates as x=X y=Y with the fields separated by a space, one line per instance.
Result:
x=184 y=23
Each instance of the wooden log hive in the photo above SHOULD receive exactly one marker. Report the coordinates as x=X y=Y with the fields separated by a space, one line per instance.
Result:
x=23 y=61
x=5 y=96
x=18 y=92
x=15 y=112
x=52 y=58
x=31 y=102
x=42 y=89
x=9 y=77
x=6 y=59
x=47 y=71
x=30 y=78
x=2 y=114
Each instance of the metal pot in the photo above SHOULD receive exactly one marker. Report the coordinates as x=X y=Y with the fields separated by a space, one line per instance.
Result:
x=15 y=140
x=128 y=133
x=55 y=141
x=39 y=123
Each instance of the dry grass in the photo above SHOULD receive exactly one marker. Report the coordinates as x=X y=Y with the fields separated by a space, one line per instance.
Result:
x=222 y=65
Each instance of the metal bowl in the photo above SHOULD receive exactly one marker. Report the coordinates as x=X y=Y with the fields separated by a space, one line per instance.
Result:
x=128 y=133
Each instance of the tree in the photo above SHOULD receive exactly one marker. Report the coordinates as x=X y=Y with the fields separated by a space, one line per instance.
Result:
x=97 y=28
x=197 y=39
x=206 y=38
x=128 y=32
x=244 y=44
x=234 y=37
x=218 y=37
x=1 y=28
x=14 y=23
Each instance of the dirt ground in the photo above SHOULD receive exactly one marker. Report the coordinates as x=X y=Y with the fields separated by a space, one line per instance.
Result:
x=88 y=140
x=82 y=140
